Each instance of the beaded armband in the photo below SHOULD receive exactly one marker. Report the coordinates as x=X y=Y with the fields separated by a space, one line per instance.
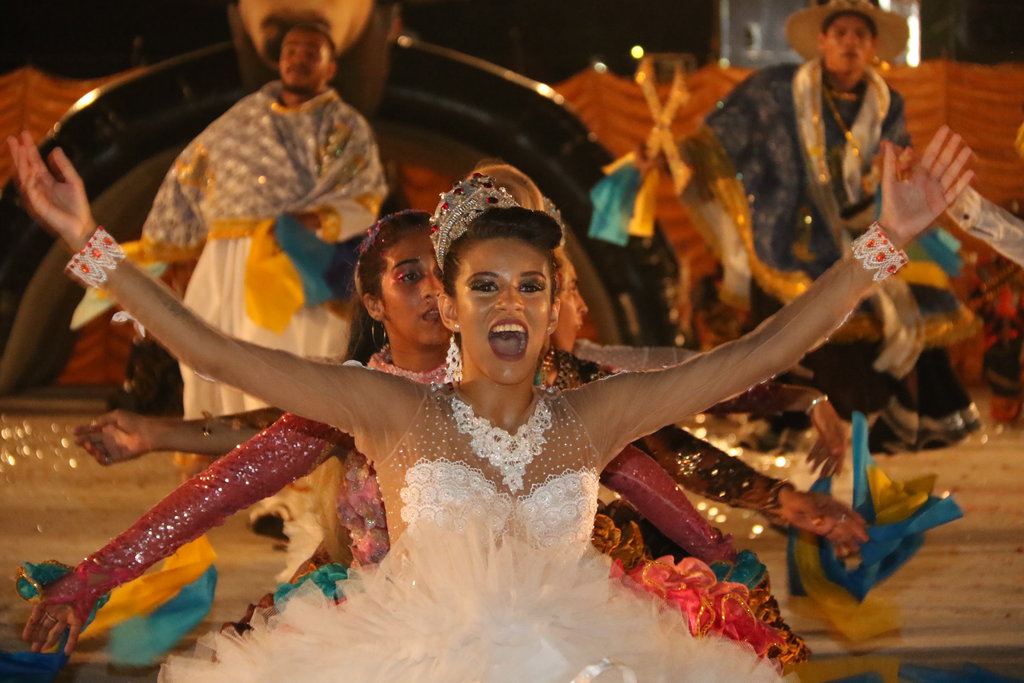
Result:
x=877 y=253
x=92 y=264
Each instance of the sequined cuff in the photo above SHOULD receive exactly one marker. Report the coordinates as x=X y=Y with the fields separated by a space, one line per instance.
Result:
x=877 y=253
x=100 y=255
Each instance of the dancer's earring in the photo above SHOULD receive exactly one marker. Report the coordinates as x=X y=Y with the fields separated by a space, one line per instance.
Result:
x=373 y=335
x=453 y=363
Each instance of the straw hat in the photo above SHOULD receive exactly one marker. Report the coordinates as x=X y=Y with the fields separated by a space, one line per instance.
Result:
x=804 y=26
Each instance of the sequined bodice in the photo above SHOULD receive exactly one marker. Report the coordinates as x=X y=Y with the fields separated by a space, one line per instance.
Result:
x=451 y=466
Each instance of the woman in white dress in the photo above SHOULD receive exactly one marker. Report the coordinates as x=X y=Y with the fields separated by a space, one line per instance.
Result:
x=490 y=484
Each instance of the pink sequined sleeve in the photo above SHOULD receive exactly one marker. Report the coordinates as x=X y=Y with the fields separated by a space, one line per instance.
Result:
x=655 y=495
x=277 y=456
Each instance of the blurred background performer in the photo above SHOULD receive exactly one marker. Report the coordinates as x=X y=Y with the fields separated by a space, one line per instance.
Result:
x=292 y=149
x=786 y=176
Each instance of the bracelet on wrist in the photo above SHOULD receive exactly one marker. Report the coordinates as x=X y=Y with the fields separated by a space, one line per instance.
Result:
x=877 y=252
x=814 y=404
x=91 y=266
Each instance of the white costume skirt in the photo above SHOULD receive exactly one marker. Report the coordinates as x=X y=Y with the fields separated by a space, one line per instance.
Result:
x=453 y=607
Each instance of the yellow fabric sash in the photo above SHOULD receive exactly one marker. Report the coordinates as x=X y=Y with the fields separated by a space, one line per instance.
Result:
x=150 y=591
x=273 y=288
x=857 y=621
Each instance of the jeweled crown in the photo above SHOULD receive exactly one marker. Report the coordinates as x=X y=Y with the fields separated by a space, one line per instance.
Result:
x=460 y=205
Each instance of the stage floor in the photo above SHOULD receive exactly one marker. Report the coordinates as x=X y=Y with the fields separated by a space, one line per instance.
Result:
x=961 y=597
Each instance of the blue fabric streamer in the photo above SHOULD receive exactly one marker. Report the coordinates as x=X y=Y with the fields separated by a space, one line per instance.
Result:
x=311 y=256
x=141 y=640
x=326 y=578
x=31 y=667
x=866 y=677
x=889 y=545
x=943 y=249
x=968 y=673
x=613 y=199
x=340 y=275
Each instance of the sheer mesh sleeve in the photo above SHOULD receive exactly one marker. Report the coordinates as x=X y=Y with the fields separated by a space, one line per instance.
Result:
x=989 y=222
x=624 y=407
x=633 y=358
x=349 y=396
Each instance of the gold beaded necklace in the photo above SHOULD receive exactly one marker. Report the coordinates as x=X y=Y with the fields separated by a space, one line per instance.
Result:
x=847 y=133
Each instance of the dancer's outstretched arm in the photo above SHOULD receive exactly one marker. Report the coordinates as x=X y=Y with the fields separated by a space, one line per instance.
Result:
x=290 y=448
x=345 y=397
x=622 y=408
x=121 y=435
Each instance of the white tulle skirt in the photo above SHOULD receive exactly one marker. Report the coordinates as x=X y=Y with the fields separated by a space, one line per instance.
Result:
x=463 y=606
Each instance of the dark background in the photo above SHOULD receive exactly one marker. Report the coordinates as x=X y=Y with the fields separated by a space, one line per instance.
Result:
x=546 y=39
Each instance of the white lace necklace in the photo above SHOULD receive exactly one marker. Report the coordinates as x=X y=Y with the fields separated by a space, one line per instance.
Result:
x=508 y=453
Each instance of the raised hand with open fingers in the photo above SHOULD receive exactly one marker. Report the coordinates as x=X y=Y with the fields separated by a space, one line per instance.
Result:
x=911 y=205
x=52 y=192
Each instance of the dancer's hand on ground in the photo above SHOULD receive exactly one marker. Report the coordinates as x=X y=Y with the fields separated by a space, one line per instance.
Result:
x=823 y=515
x=910 y=205
x=828 y=452
x=118 y=436
x=52 y=192
x=47 y=623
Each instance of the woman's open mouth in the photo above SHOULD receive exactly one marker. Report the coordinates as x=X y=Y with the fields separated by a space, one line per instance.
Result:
x=508 y=340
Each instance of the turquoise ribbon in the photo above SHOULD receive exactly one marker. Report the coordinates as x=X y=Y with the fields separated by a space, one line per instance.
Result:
x=310 y=255
x=141 y=640
x=747 y=569
x=968 y=673
x=943 y=249
x=614 y=198
x=326 y=579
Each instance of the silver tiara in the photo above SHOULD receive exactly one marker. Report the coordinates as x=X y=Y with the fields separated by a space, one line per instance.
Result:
x=460 y=205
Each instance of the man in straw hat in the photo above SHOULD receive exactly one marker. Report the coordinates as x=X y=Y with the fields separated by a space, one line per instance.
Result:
x=785 y=177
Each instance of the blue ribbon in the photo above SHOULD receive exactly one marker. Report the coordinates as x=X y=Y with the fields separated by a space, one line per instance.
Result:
x=325 y=268
x=889 y=546
x=614 y=198
x=326 y=579
x=968 y=673
x=141 y=640
x=943 y=249
x=747 y=569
